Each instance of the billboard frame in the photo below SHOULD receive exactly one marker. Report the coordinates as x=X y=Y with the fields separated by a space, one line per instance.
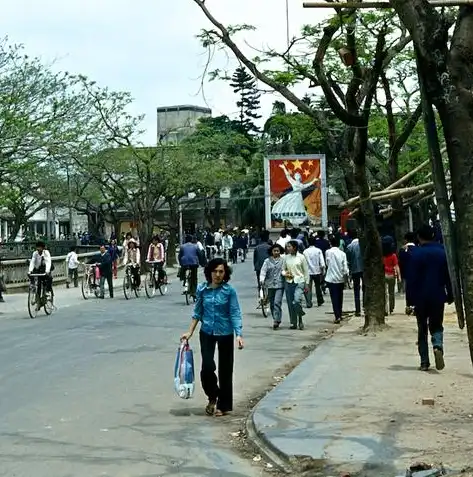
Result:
x=267 y=185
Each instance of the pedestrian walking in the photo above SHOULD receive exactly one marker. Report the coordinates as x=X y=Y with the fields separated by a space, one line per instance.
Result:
x=430 y=288
x=391 y=273
x=355 y=266
x=337 y=271
x=405 y=265
x=296 y=274
x=114 y=255
x=218 y=311
x=72 y=262
x=271 y=278
x=105 y=266
x=260 y=254
x=316 y=263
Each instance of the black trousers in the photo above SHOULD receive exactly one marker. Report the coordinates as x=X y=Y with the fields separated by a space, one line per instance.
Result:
x=219 y=390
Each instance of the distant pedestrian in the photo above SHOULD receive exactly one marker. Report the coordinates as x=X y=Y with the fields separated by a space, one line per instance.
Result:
x=72 y=262
x=316 y=263
x=405 y=265
x=430 y=288
x=391 y=273
x=296 y=272
x=114 y=255
x=105 y=266
x=260 y=254
x=271 y=278
x=355 y=265
x=219 y=325
x=337 y=271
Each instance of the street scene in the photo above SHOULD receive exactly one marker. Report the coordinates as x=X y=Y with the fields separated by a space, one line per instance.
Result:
x=236 y=240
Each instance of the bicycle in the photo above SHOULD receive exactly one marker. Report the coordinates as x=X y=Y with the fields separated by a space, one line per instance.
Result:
x=152 y=283
x=89 y=285
x=263 y=301
x=129 y=284
x=37 y=301
x=186 y=285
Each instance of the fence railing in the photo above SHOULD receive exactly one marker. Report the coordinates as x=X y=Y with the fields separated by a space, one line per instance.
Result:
x=19 y=250
x=15 y=271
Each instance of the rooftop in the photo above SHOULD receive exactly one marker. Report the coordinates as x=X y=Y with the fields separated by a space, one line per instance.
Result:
x=184 y=107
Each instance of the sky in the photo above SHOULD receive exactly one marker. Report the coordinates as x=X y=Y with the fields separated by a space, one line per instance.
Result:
x=148 y=47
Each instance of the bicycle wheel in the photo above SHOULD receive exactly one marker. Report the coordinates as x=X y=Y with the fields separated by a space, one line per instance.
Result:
x=85 y=287
x=49 y=303
x=127 y=286
x=137 y=290
x=163 y=287
x=32 y=307
x=150 y=288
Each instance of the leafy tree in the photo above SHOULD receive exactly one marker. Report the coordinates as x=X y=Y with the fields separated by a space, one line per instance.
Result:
x=350 y=98
x=244 y=85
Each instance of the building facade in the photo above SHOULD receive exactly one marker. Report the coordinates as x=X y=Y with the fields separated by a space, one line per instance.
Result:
x=174 y=123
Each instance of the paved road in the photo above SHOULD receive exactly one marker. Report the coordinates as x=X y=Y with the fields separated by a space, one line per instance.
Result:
x=88 y=391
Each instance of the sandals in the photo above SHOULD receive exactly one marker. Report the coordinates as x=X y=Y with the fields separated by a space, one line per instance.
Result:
x=210 y=408
x=219 y=413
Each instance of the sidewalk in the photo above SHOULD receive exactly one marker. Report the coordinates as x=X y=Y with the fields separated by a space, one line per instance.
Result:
x=16 y=303
x=355 y=405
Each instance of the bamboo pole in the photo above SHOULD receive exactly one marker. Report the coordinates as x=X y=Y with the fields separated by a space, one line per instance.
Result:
x=384 y=5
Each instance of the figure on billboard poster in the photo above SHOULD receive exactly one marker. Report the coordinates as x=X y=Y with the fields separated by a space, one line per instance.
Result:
x=295 y=191
x=290 y=207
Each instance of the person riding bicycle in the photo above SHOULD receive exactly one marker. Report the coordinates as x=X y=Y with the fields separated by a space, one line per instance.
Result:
x=189 y=260
x=132 y=258
x=156 y=254
x=41 y=263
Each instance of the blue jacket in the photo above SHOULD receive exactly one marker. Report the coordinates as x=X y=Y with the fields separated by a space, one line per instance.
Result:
x=218 y=310
x=188 y=255
x=354 y=257
x=428 y=280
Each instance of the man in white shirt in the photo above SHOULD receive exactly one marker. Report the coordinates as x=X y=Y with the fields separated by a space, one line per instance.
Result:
x=337 y=271
x=316 y=263
x=296 y=272
x=72 y=261
x=283 y=239
x=41 y=263
x=218 y=240
x=227 y=245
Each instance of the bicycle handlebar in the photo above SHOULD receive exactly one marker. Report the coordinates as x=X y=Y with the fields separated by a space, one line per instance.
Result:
x=37 y=274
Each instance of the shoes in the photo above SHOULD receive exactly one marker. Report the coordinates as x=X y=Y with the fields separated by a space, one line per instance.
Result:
x=301 y=325
x=293 y=327
x=358 y=313
x=337 y=321
x=439 y=361
x=424 y=367
x=2 y=300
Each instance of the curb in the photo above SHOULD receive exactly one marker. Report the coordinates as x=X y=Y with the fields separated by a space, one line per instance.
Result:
x=272 y=453
x=282 y=461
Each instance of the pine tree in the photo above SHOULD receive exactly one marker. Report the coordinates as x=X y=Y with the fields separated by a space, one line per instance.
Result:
x=244 y=85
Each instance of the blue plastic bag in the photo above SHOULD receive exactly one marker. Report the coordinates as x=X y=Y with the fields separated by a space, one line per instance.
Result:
x=184 y=371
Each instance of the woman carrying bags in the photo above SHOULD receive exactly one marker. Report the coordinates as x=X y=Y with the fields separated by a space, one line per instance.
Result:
x=218 y=311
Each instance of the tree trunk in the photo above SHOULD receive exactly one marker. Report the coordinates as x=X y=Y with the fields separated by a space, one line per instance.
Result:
x=173 y=232
x=145 y=228
x=373 y=273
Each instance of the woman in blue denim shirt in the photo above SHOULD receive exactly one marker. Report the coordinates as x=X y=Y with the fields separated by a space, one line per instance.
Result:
x=218 y=311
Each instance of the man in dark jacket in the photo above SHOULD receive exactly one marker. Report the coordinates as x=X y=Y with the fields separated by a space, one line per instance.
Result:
x=105 y=266
x=189 y=260
x=429 y=289
x=261 y=253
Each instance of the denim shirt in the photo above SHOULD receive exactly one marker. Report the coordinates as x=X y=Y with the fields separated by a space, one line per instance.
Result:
x=218 y=310
x=271 y=272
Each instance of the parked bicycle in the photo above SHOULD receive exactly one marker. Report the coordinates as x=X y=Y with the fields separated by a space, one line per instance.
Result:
x=153 y=282
x=90 y=285
x=38 y=296
x=129 y=283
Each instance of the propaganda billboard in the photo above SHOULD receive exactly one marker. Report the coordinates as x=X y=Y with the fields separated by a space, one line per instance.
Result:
x=295 y=191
